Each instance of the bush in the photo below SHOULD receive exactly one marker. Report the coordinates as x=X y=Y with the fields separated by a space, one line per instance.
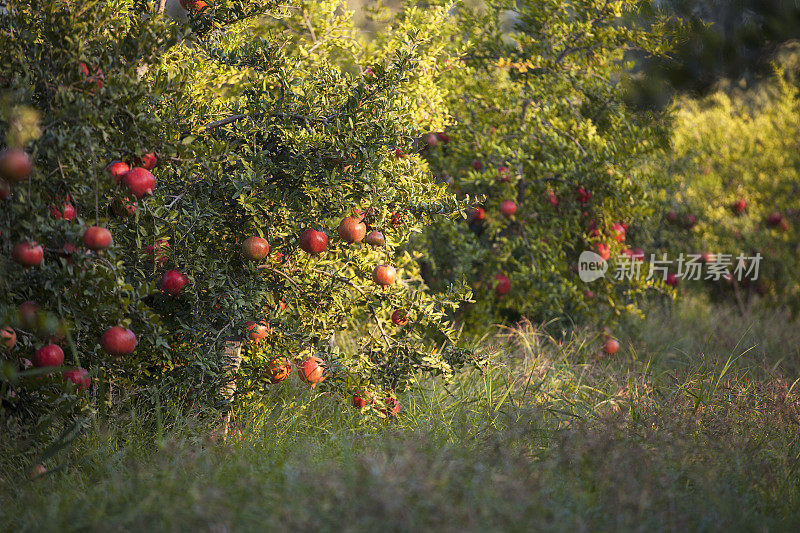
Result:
x=256 y=137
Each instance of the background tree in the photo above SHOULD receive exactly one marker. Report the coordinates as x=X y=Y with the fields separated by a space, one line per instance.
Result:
x=542 y=132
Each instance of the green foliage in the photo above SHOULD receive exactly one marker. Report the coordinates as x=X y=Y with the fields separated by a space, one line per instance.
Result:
x=539 y=120
x=263 y=126
x=741 y=144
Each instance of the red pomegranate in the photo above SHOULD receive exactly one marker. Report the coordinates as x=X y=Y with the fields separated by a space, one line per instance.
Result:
x=27 y=253
x=140 y=182
x=50 y=355
x=97 y=238
x=118 y=341
x=313 y=242
x=172 y=282
x=80 y=377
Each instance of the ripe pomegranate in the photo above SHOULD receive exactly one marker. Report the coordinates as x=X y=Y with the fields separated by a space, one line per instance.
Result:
x=431 y=139
x=15 y=166
x=375 y=238
x=384 y=275
x=312 y=370
x=351 y=229
x=476 y=214
x=551 y=199
x=588 y=294
x=361 y=399
x=443 y=137
x=24 y=363
x=582 y=195
x=255 y=248
x=50 y=355
x=172 y=282
x=68 y=212
x=313 y=242
x=503 y=175
x=118 y=341
x=279 y=369
x=80 y=377
x=739 y=206
x=392 y=406
x=774 y=219
x=672 y=280
x=5 y=190
x=97 y=238
x=503 y=285
x=708 y=257
x=690 y=221
x=398 y=153
x=477 y=165
x=603 y=250
x=158 y=252
x=8 y=338
x=257 y=331
x=117 y=170
x=398 y=219
x=149 y=161
x=508 y=208
x=672 y=216
x=27 y=253
x=399 y=318
x=124 y=207
x=27 y=312
x=611 y=346
x=140 y=182
x=618 y=231
x=193 y=5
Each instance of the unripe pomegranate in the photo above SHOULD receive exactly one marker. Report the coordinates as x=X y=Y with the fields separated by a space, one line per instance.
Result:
x=27 y=253
x=117 y=170
x=255 y=248
x=384 y=275
x=312 y=370
x=352 y=229
x=80 y=377
x=503 y=285
x=375 y=238
x=172 y=282
x=50 y=355
x=97 y=238
x=508 y=208
x=118 y=341
x=140 y=182
x=313 y=242
x=15 y=166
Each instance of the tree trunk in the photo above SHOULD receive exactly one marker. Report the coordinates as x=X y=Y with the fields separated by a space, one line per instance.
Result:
x=230 y=367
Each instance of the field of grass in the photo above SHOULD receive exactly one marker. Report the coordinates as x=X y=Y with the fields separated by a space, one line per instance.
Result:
x=694 y=424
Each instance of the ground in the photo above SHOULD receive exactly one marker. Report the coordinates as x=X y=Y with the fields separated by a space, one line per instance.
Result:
x=694 y=424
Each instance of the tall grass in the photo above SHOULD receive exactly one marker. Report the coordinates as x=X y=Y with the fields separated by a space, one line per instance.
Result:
x=694 y=424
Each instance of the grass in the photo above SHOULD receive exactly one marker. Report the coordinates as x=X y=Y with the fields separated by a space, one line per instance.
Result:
x=694 y=424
